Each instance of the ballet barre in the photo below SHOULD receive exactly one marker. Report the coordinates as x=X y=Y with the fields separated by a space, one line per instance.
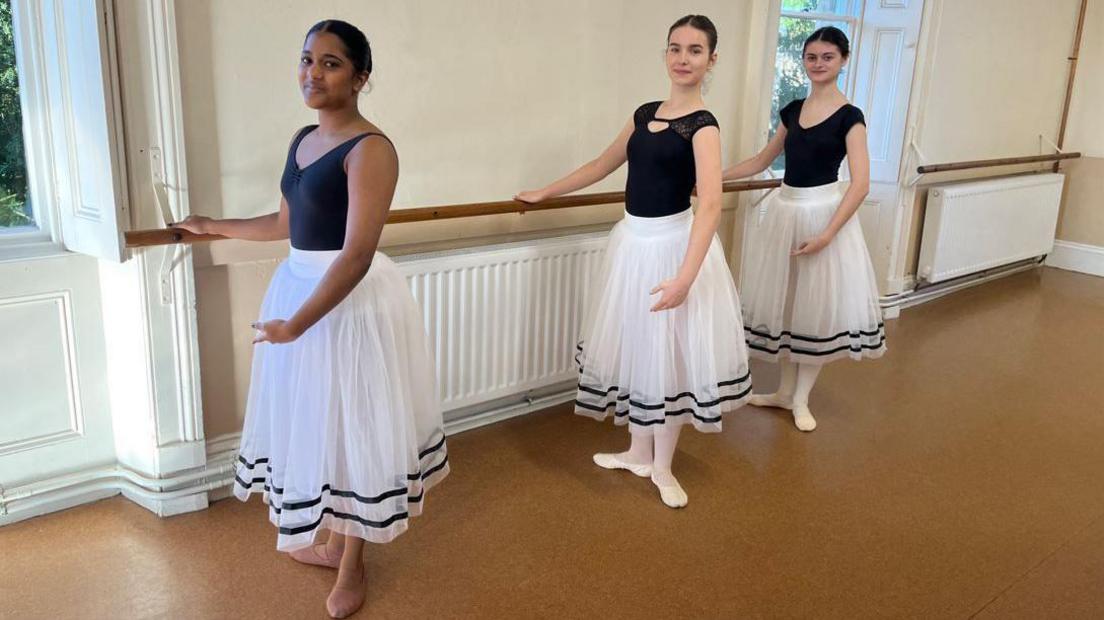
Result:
x=988 y=163
x=167 y=236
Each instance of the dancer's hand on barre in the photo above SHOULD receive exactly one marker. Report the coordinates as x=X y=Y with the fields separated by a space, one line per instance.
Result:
x=531 y=196
x=198 y=224
x=276 y=331
x=812 y=246
x=674 y=293
x=268 y=227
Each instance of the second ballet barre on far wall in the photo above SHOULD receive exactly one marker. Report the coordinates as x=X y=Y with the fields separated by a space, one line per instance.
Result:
x=987 y=163
x=166 y=236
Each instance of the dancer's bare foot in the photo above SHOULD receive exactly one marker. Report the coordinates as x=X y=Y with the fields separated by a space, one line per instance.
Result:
x=318 y=554
x=348 y=592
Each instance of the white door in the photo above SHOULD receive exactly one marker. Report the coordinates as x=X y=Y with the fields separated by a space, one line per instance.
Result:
x=883 y=62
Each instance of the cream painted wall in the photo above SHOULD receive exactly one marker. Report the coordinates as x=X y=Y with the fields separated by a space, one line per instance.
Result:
x=991 y=79
x=1086 y=121
x=996 y=77
x=1082 y=217
x=518 y=95
x=481 y=98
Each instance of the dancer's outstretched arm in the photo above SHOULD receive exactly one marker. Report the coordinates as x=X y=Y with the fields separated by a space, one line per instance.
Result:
x=268 y=227
x=761 y=161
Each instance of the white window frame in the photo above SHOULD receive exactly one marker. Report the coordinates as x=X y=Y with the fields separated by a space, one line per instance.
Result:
x=30 y=67
x=44 y=174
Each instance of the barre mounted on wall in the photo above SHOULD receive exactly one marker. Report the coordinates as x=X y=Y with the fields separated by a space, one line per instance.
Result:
x=988 y=163
x=167 y=236
x=923 y=169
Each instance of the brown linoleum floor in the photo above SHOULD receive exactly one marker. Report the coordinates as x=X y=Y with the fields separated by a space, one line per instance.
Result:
x=959 y=476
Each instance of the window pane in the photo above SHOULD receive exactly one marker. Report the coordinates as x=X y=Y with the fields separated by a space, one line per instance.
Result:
x=15 y=207
x=838 y=7
x=789 y=73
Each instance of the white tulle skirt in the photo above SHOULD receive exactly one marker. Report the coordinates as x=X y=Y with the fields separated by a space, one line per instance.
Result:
x=343 y=425
x=649 y=369
x=813 y=308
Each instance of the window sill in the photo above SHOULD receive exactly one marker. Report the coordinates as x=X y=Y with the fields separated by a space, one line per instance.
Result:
x=30 y=247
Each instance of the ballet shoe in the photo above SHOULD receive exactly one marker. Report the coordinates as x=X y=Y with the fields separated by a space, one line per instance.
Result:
x=670 y=492
x=614 y=461
x=803 y=418
x=771 y=400
x=316 y=555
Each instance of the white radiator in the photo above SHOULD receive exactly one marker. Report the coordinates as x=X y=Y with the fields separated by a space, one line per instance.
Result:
x=978 y=225
x=503 y=320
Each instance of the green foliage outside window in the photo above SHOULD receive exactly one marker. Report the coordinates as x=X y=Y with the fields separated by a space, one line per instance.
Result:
x=14 y=207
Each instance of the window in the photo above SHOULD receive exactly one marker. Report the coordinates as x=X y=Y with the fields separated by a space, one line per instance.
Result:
x=15 y=208
x=798 y=20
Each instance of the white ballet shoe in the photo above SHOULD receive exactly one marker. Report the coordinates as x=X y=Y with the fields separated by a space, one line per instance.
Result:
x=771 y=400
x=613 y=461
x=803 y=418
x=671 y=494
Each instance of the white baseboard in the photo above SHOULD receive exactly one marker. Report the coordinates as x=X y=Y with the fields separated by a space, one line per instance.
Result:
x=507 y=410
x=1079 y=257
x=53 y=502
x=169 y=507
x=893 y=304
x=181 y=492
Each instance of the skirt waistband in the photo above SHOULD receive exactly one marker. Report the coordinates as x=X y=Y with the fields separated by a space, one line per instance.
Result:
x=829 y=190
x=314 y=263
x=659 y=226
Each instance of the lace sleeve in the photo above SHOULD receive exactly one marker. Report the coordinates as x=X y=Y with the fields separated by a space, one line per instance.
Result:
x=645 y=113
x=687 y=127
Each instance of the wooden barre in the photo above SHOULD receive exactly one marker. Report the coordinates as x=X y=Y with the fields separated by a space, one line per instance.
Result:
x=166 y=236
x=987 y=163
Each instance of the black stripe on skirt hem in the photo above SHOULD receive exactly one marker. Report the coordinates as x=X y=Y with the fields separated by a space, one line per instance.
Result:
x=853 y=334
x=667 y=414
x=398 y=516
x=667 y=399
x=327 y=489
x=299 y=529
x=847 y=347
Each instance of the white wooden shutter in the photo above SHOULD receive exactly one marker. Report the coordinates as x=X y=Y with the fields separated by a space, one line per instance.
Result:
x=84 y=119
x=884 y=60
